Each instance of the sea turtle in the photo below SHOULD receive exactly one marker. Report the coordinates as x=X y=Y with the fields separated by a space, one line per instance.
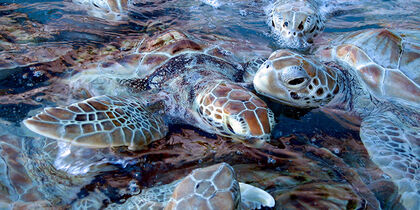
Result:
x=106 y=9
x=371 y=74
x=212 y=187
x=183 y=81
x=297 y=22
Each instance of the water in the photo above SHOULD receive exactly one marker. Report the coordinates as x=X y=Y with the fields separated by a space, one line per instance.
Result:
x=315 y=158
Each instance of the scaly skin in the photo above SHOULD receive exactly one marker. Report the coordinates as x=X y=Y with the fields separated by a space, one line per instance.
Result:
x=196 y=87
x=372 y=75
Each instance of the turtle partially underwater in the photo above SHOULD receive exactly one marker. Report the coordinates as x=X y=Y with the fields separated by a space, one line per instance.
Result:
x=212 y=187
x=106 y=9
x=372 y=74
x=296 y=22
x=173 y=79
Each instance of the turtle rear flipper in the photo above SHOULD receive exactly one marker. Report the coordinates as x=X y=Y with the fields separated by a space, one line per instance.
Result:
x=394 y=147
x=99 y=122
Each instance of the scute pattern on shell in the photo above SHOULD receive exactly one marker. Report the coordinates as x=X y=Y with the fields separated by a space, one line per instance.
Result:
x=394 y=146
x=214 y=187
x=384 y=60
x=101 y=121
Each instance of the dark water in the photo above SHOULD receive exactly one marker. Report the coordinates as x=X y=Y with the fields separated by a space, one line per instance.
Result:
x=312 y=151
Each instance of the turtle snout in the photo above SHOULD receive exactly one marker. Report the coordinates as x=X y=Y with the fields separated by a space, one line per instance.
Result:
x=297 y=29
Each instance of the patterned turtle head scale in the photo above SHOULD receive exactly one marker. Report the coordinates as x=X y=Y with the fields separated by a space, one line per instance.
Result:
x=235 y=112
x=296 y=80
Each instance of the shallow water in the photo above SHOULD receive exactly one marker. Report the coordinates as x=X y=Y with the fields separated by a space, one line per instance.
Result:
x=312 y=151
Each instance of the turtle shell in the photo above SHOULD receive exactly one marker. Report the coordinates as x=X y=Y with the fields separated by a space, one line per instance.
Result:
x=162 y=57
x=385 y=62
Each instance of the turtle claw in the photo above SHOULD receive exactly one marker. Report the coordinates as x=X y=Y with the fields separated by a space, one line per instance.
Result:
x=100 y=122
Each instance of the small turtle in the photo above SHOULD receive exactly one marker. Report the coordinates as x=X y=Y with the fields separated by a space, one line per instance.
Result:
x=187 y=82
x=106 y=9
x=372 y=74
x=213 y=187
x=297 y=22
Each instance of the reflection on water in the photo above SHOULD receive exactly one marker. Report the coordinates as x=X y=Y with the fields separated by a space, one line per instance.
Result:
x=316 y=159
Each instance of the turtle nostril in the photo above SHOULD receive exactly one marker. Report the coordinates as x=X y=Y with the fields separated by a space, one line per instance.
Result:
x=300 y=27
x=294 y=95
x=272 y=23
x=230 y=127
x=294 y=33
x=285 y=24
x=296 y=81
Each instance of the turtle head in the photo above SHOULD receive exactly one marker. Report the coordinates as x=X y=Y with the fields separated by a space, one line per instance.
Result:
x=235 y=112
x=296 y=24
x=295 y=80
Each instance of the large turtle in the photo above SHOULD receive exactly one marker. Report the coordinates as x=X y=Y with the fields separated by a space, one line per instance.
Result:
x=372 y=74
x=186 y=82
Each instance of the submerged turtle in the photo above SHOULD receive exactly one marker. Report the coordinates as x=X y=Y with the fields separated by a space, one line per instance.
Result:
x=371 y=74
x=213 y=187
x=106 y=9
x=297 y=22
x=187 y=82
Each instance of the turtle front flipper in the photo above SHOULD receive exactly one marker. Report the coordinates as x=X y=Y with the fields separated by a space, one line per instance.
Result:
x=235 y=112
x=100 y=122
x=394 y=147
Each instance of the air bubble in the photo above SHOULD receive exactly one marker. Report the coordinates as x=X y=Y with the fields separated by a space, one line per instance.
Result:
x=133 y=187
x=385 y=176
x=38 y=73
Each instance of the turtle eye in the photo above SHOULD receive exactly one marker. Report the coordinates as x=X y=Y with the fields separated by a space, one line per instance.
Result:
x=272 y=23
x=297 y=81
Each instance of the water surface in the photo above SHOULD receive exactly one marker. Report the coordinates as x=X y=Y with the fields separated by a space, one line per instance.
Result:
x=312 y=151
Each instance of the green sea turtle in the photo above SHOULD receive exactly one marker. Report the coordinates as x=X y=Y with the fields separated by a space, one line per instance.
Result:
x=212 y=187
x=106 y=9
x=173 y=79
x=372 y=74
x=297 y=22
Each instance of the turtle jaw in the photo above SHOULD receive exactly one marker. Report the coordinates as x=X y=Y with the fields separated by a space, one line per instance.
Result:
x=233 y=111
